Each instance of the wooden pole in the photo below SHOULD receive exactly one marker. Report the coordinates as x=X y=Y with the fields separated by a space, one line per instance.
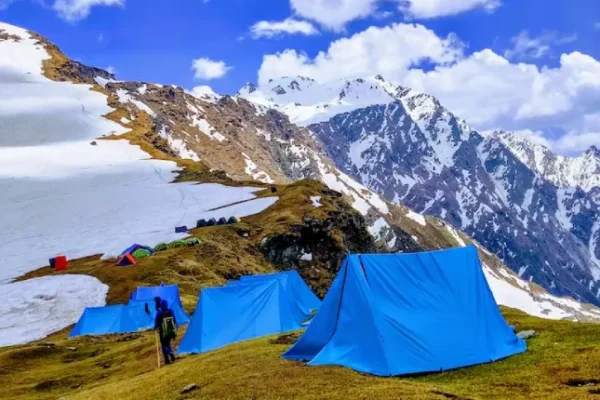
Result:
x=157 y=351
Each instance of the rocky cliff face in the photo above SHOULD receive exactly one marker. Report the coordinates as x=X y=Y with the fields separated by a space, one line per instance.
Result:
x=412 y=150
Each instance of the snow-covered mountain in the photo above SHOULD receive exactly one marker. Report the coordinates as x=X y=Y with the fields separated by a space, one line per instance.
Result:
x=406 y=146
x=81 y=152
x=565 y=172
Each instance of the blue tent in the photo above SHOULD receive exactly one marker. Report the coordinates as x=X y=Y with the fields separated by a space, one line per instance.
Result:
x=394 y=314
x=291 y=282
x=239 y=312
x=113 y=320
x=170 y=293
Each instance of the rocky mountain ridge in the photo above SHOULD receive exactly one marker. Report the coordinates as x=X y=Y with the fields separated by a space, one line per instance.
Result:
x=407 y=147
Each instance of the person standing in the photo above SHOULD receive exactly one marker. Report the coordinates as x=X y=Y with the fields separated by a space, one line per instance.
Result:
x=166 y=326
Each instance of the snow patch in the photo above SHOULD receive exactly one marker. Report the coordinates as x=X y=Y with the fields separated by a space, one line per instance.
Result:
x=418 y=218
x=378 y=229
x=252 y=170
x=316 y=201
x=205 y=127
x=33 y=309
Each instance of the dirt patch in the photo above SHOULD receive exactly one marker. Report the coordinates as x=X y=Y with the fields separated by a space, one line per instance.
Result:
x=582 y=382
x=72 y=382
x=290 y=338
x=450 y=395
x=81 y=355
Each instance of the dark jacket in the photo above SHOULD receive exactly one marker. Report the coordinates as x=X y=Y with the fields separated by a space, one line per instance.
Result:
x=163 y=313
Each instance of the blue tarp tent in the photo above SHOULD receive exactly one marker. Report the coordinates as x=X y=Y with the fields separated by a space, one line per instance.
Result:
x=112 y=320
x=292 y=282
x=170 y=293
x=239 y=312
x=394 y=314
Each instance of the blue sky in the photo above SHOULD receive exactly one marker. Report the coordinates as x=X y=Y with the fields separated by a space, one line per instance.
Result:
x=157 y=41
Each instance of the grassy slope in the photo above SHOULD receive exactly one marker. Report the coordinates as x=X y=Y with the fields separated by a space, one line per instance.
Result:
x=125 y=368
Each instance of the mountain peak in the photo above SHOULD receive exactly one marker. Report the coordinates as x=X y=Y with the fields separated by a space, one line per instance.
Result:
x=593 y=151
x=248 y=88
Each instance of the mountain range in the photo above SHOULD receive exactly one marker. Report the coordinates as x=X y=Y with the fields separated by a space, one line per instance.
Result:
x=388 y=150
x=536 y=210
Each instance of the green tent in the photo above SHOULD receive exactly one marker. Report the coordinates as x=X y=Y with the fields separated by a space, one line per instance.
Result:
x=192 y=241
x=141 y=253
x=161 y=247
x=178 y=244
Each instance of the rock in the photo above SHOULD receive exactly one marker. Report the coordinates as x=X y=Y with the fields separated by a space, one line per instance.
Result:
x=527 y=334
x=189 y=388
x=93 y=143
x=72 y=348
x=48 y=344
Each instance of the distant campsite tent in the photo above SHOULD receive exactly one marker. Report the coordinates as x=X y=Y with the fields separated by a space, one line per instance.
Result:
x=233 y=220
x=239 y=312
x=112 y=320
x=395 y=314
x=170 y=293
x=181 y=229
x=211 y=222
x=222 y=221
x=292 y=283
x=201 y=223
x=127 y=257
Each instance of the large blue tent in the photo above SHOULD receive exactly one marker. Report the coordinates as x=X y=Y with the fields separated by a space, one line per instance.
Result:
x=137 y=315
x=113 y=320
x=242 y=311
x=170 y=293
x=394 y=314
x=292 y=282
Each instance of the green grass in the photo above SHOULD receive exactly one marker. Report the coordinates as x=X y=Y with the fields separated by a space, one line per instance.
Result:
x=124 y=367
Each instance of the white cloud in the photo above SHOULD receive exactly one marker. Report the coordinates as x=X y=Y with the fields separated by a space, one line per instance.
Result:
x=389 y=51
x=596 y=25
x=291 y=26
x=75 y=10
x=111 y=70
x=484 y=88
x=526 y=47
x=424 y=9
x=207 y=69
x=333 y=14
x=100 y=38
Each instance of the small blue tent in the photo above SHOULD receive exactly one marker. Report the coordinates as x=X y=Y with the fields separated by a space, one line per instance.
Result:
x=113 y=320
x=170 y=293
x=292 y=282
x=395 y=314
x=239 y=312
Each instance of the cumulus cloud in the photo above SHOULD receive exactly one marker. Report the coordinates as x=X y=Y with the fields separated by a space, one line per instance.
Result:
x=111 y=70
x=485 y=88
x=75 y=10
x=290 y=26
x=389 y=51
x=333 y=14
x=423 y=9
x=207 y=69
x=536 y=47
